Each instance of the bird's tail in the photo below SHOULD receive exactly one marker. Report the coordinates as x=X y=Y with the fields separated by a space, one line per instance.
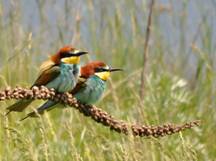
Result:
x=47 y=106
x=19 y=106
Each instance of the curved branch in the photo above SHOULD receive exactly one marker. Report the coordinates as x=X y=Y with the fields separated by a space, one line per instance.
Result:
x=95 y=113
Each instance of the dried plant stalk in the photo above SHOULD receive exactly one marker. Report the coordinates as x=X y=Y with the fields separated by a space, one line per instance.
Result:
x=145 y=52
x=95 y=113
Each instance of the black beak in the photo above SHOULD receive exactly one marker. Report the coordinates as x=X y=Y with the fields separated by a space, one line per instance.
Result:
x=81 y=53
x=115 y=69
x=77 y=53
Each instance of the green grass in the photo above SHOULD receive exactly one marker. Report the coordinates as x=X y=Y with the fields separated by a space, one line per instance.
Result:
x=180 y=80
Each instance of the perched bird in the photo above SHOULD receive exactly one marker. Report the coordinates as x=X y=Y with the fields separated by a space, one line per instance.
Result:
x=95 y=75
x=90 y=87
x=60 y=72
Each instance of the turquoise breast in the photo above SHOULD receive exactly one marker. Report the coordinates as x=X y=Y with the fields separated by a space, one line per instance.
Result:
x=67 y=78
x=92 y=92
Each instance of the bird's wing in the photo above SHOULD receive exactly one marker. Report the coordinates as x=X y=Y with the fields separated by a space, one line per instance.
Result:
x=47 y=75
x=80 y=84
x=46 y=65
x=49 y=72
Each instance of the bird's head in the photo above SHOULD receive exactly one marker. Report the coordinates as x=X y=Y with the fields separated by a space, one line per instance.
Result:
x=98 y=68
x=68 y=54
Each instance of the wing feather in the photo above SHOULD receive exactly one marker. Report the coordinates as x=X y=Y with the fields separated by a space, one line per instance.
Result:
x=46 y=65
x=80 y=84
x=47 y=75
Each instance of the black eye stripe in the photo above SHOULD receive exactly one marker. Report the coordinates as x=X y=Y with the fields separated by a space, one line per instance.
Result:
x=65 y=54
x=101 y=70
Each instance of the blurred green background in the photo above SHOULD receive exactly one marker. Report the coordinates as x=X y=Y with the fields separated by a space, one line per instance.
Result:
x=180 y=77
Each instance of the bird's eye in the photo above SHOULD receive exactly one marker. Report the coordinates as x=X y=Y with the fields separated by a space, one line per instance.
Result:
x=99 y=70
x=66 y=54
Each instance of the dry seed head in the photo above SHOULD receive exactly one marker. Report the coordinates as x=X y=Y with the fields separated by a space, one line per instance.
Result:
x=96 y=114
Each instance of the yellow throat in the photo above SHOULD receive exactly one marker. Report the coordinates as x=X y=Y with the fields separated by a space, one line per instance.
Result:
x=103 y=75
x=71 y=60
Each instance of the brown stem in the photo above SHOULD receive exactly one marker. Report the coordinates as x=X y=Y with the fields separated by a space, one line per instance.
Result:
x=145 y=53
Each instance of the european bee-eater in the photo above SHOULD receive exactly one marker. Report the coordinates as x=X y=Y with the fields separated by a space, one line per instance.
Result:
x=91 y=90
x=60 y=72
x=90 y=87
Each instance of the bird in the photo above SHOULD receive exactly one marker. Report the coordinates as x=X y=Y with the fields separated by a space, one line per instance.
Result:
x=60 y=72
x=91 y=88
x=88 y=90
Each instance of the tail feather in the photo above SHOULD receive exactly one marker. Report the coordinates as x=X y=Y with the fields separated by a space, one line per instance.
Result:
x=47 y=106
x=19 y=106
